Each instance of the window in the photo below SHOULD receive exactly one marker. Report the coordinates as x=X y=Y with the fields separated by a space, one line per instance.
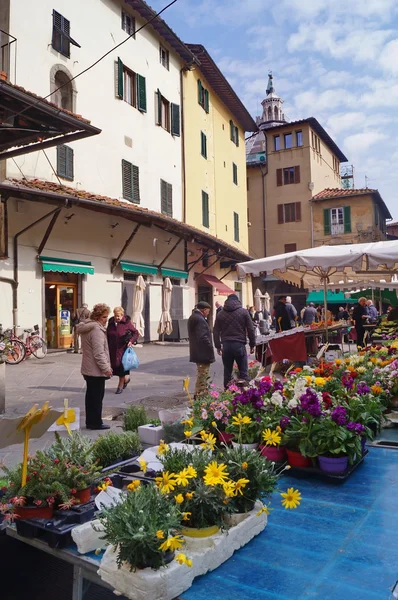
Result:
x=337 y=221
x=290 y=247
x=236 y=227
x=166 y=198
x=128 y=24
x=235 y=173
x=277 y=143
x=289 y=213
x=288 y=141
x=130 y=182
x=64 y=96
x=234 y=133
x=288 y=175
x=203 y=96
x=131 y=87
x=164 y=57
x=168 y=115
x=203 y=144
x=336 y=165
x=61 y=39
x=65 y=162
x=316 y=142
x=205 y=210
x=299 y=138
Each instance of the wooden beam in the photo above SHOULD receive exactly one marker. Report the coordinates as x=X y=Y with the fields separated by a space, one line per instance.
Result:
x=170 y=253
x=116 y=262
x=48 y=231
x=207 y=268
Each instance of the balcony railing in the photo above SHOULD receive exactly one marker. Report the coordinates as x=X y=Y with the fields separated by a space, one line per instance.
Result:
x=8 y=55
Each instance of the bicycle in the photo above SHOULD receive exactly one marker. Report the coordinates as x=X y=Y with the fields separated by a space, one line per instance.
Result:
x=34 y=344
x=13 y=347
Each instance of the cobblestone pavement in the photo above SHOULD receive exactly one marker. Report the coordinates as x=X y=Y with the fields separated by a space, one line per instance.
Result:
x=156 y=384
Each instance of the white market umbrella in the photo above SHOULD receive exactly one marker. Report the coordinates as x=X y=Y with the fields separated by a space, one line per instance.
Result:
x=165 y=323
x=267 y=304
x=138 y=305
x=257 y=300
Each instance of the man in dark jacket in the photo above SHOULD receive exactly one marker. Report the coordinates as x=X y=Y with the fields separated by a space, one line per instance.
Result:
x=360 y=316
x=201 y=349
x=233 y=325
x=282 y=317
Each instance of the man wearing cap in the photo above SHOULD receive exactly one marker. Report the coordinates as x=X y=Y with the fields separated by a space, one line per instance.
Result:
x=282 y=318
x=201 y=349
x=232 y=327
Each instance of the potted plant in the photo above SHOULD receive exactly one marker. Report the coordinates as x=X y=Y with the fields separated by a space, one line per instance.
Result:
x=246 y=429
x=114 y=448
x=143 y=528
x=212 y=413
x=134 y=417
x=271 y=446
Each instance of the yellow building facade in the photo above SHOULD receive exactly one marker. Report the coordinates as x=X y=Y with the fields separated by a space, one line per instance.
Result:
x=215 y=194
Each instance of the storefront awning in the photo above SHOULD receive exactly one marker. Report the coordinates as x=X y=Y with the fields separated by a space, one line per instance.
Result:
x=331 y=298
x=219 y=286
x=64 y=265
x=141 y=269
x=174 y=273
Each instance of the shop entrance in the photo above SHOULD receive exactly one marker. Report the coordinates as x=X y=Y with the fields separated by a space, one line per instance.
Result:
x=61 y=291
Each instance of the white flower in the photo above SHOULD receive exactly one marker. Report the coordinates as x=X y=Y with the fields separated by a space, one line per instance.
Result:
x=141 y=529
x=361 y=369
x=277 y=398
x=307 y=368
x=292 y=403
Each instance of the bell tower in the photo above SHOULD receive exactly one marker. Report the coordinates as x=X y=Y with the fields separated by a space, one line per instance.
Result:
x=272 y=107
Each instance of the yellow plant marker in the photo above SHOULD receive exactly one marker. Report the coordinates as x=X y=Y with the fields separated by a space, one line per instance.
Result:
x=185 y=387
x=67 y=418
x=32 y=417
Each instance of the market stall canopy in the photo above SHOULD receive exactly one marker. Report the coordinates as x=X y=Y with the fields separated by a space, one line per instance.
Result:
x=354 y=263
x=331 y=298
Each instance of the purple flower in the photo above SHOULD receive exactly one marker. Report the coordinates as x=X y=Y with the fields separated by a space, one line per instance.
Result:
x=278 y=386
x=339 y=415
x=363 y=388
x=284 y=422
x=357 y=428
x=258 y=419
x=348 y=382
x=310 y=403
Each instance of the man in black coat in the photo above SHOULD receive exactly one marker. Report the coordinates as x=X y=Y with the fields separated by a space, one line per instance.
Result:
x=360 y=316
x=201 y=349
x=232 y=327
x=282 y=318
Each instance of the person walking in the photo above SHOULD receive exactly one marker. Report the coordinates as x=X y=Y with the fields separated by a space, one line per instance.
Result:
x=80 y=315
x=372 y=311
x=343 y=314
x=218 y=307
x=121 y=334
x=96 y=365
x=201 y=349
x=291 y=311
x=360 y=314
x=310 y=314
x=232 y=327
x=282 y=318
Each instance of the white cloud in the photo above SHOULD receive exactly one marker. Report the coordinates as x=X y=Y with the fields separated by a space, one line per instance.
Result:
x=359 y=143
x=341 y=122
x=314 y=102
x=389 y=57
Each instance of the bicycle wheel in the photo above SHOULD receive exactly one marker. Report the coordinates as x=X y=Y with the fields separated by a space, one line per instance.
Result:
x=16 y=352
x=38 y=346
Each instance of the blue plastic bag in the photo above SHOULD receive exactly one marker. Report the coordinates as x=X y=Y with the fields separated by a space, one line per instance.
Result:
x=130 y=359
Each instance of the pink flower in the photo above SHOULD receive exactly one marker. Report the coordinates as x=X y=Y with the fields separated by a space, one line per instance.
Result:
x=214 y=394
x=218 y=415
x=38 y=502
x=204 y=414
x=225 y=420
x=233 y=388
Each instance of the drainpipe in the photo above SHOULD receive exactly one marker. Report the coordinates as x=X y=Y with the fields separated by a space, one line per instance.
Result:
x=183 y=174
x=312 y=224
x=16 y=274
x=263 y=174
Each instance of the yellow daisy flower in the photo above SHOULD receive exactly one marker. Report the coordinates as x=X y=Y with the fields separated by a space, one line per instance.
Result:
x=134 y=485
x=182 y=478
x=189 y=495
x=160 y=534
x=271 y=438
x=172 y=543
x=244 y=466
x=229 y=489
x=262 y=510
x=191 y=471
x=209 y=441
x=166 y=482
x=186 y=516
x=187 y=433
x=187 y=422
x=214 y=424
x=291 y=498
x=239 y=420
x=183 y=560
x=215 y=473
x=162 y=448
x=179 y=498
x=240 y=485
x=143 y=464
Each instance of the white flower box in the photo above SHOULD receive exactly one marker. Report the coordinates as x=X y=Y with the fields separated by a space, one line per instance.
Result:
x=151 y=434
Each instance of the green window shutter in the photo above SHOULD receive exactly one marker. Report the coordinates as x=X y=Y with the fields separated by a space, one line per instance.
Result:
x=163 y=196
x=232 y=130
x=127 y=180
x=326 y=221
x=235 y=173
x=205 y=209
x=200 y=92
x=203 y=144
x=169 y=200
x=120 y=79
x=207 y=104
x=135 y=177
x=69 y=171
x=347 y=219
x=61 y=161
x=376 y=212
x=236 y=227
x=175 y=119
x=141 y=93
x=159 y=108
x=237 y=136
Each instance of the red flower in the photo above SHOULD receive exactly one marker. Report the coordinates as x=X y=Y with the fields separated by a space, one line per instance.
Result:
x=4 y=488
x=73 y=491
x=56 y=461
x=38 y=502
x=327 y=400
x=50 y=500
x=28 y=478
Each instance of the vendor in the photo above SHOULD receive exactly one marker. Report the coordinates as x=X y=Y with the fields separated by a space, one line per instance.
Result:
x=282 y=318
x=360 y=316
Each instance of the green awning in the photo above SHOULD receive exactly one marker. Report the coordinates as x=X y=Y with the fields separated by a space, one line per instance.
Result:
x=174 y=273
x=387 y=296
x=64 y=265
x=331 y=298
x=141 y=269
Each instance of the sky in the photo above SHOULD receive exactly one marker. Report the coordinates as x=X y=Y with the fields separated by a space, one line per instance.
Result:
x=334 y=60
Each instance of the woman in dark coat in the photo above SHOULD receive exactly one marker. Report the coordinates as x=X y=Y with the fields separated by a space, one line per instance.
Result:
x=121 y=334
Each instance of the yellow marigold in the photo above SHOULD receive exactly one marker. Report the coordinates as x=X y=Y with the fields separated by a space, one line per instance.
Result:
x=160 y=534
x=376 y=389
x=143 y=465
x=179 y=498
x=172 y=543
x=244 y=466
x=215 y=473
x=338 y=362
x=189 y=495
x=134 y=485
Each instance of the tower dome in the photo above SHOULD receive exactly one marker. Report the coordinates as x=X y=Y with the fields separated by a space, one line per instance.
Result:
x=272 y=107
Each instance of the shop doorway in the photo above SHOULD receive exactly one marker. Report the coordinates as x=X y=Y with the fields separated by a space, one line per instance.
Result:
x=61 y=300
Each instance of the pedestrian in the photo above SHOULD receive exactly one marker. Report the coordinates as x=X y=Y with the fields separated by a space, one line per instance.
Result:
x=310 y=314
x=218 y=307
x=343 y=314
x=232 y=327
x=360 y=315
x=201 y=349
x=80 y=315
x=282 y=318
x=253 y=313
x=372 y=311
x=96 y=365
x=121 y=334
x=291 y=311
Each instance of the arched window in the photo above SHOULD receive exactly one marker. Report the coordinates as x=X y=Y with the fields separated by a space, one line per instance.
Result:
x=65 y=96
x=276 y=113
x=269 y=113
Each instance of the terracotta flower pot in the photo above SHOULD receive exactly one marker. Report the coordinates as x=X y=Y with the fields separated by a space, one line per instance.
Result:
x=276 y=454
x=83 y=496
x=296 y=459
x=34 y=512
